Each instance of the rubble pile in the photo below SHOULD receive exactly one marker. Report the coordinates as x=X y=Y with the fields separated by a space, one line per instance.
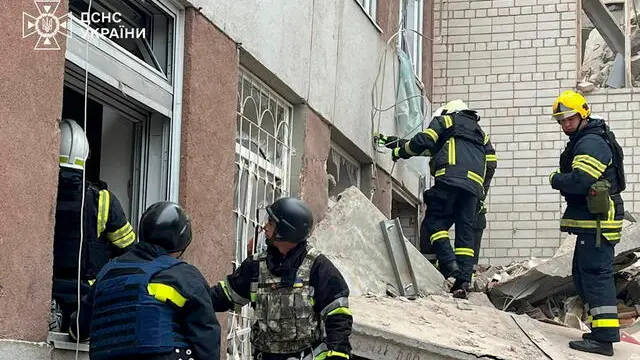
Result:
x=598 y=58
x=543 y=288
x=389 y=325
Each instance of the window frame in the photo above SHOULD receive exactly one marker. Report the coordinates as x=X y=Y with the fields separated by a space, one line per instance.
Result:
x=370 y=9
x=417 y=48
x=345 y=155
x=135 y=79
x=256 y=164
x=247 y=218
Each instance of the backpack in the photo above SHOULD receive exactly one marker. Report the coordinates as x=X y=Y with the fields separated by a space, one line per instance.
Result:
x=618 y=157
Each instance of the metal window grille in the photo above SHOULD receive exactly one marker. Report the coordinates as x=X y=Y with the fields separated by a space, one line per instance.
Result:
x=263 y=155
x=263 y=164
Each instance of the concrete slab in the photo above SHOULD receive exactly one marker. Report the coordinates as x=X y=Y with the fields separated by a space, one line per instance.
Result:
x=350 y=236
x=440 y=327
x=553 y=275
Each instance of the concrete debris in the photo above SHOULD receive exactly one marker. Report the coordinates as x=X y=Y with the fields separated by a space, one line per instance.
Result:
x=586 y=86
x=548 y=277
x=351 y=237
x=441 y=327
x=574 y=312
x=598 y=60
x=543 y=289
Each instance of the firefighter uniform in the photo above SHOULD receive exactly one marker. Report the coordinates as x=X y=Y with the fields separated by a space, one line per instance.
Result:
x=478 y=231
x=106 y=231
x=294 y=297
x=148 y=304
x=460 y=154
x=481 y=217
x=591 y=154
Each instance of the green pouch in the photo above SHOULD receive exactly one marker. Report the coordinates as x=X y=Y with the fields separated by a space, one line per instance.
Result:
x=598 y=197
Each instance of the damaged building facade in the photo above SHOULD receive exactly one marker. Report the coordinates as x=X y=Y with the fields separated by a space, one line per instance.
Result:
x=510 y=59
x=222 y=106
x=230 y=104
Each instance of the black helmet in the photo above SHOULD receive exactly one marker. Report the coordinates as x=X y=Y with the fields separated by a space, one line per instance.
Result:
x=167 y=225
x=293 y=219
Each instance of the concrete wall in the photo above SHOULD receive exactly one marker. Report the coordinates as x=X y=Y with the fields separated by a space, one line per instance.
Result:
x=510 y=59
x=30 y=105
x=208 y=139
x=327 y=53
x=311 y=176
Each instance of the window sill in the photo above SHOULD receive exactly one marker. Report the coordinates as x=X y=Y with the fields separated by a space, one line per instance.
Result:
x=63 y=341
x=373 y=21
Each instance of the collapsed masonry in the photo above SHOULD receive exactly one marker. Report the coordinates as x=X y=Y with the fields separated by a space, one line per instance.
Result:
x=434 y=325
x=598 y=58
x=543 y=288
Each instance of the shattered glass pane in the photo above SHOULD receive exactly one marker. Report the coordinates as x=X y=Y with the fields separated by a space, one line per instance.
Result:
x=341 y=172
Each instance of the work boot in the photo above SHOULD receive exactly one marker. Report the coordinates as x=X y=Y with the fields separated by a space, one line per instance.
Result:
x=450 y=269
x=592 y=346
x=586 y=335
x=460 y=289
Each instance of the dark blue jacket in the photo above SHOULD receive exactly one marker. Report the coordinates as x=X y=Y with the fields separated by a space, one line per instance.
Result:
x=587 y=158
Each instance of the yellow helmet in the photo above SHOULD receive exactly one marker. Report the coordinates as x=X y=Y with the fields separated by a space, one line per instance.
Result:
x=568 y=104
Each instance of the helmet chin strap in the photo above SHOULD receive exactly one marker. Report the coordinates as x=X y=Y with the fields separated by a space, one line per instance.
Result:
x=577 y=128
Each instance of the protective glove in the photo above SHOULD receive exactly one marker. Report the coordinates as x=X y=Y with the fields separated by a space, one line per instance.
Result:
x=483 y=207
x=552 y=175
x=395 y=154
x=389 y=142
x=333 y=357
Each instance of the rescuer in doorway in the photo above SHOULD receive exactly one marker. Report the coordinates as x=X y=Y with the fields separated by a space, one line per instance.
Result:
x=591 y=178
x=460 y=154
x=147 y=304
x=106 y=231
x=297 y=293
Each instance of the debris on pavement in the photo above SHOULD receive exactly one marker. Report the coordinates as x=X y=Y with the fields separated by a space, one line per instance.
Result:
x=543 y=288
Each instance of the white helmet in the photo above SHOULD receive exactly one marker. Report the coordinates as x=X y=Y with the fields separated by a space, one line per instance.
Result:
x=455 y=105
x=74 y=146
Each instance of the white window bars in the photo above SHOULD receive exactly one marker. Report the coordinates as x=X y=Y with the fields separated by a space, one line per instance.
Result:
x=263 y=156
x=263 y=160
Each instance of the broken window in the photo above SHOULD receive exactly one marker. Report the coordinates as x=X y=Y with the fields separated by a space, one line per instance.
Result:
x=410 y=40
x=343 y=171
x=154 y=48
x=610 y=44
x=407 y=209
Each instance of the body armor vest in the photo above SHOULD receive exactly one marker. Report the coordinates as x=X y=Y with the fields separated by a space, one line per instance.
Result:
x=285 y=319
x=127 y=321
